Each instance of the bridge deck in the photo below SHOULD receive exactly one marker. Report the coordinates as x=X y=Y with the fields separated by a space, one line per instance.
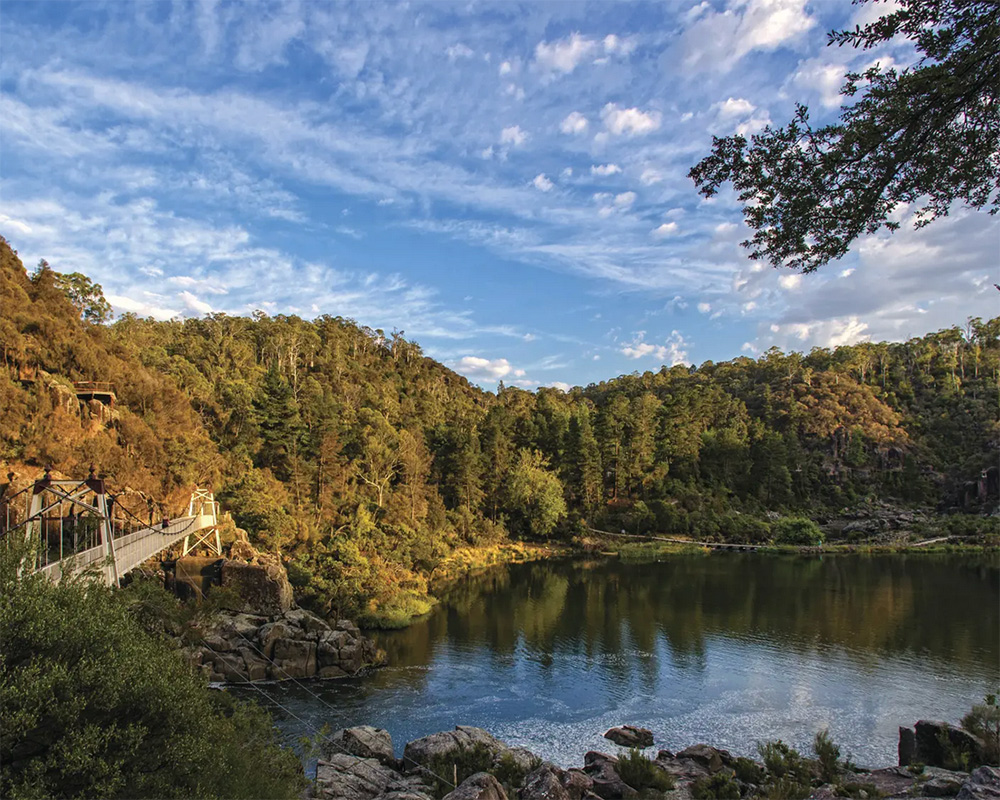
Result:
x=132 y=548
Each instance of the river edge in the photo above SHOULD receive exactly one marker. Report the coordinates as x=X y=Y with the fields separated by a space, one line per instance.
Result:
x=468 y=561
x=469 y=763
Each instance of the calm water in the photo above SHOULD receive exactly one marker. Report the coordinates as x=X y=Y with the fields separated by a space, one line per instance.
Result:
x=726 y=648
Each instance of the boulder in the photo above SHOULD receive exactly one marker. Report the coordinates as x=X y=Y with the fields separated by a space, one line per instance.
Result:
x=242 y=626
x=263 y=588
x=406 y=788
x=607 y=783
x=941 y=786
x=578 y=783
x=907 y=746
x=293 y=659
x=545 y=783
x=481 y=786
x=446 y=744
x=363 y=741
x=983 y=784
x=306 y=620
x=268 y=634
x=346 y=777
x=930 y=737
x=255 y=667
x=709 y=757
x=522 y=757
x=331 y=671
x=630 y=736
x=218 y=643
x=350 y=658
x=230 y=667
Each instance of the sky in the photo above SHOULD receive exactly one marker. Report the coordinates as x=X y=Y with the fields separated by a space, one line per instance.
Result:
x=504 y=183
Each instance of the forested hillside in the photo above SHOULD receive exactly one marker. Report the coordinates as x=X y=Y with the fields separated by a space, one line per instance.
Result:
x=364 y=463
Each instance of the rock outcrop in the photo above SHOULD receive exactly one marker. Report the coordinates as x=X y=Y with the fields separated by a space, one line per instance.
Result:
x=630 y=736
x=296 y=644
x=939 y=744
x=481 y=786
x=360 y=766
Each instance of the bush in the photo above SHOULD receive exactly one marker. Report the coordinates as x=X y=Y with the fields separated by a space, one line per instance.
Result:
x=853 y=789
x=796 y=530
x=458 y=767
x=510 y=773
x=984 y=721
x=93 y=705
x=719 y=786
x=828 y=754
x=748 y=771
x=639 y=772
x=788 y=773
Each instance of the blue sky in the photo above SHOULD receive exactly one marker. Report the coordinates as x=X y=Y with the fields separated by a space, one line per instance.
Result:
x=505 y=182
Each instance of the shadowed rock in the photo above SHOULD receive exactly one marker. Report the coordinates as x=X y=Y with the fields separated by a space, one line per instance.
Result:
x=481 y=786
x=630 y=736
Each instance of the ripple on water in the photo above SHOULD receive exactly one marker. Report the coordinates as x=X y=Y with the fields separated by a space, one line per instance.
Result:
x=693 y=671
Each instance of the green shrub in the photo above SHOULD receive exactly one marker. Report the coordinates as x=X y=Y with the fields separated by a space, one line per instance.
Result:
x=93 y=705
x=510 y=773
x=748 y=771
x=456 y=768
x=870 y=790
x=640 y=772
x=828 y=754
x=797 y=530
x=984 y=721
x=719 y=786
x=788 y=773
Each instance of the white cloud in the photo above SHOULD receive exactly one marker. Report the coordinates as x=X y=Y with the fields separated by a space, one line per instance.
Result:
x=704 y=308
x=459 y=50
x=792 y=281
x=193 y=303
x=716 y=40
x=574 y=123
x=650 y=176
x=664 y=230
x=672 y=352
x=506 y=68
x=605 y=169
x=542 y=183
x=564 y=55
x=483 y=368
x=625 y=199
x=629 y=121
x=755 y=124
x=618 y=46
x=734 y=107
x=513 y=135
x=822 y=77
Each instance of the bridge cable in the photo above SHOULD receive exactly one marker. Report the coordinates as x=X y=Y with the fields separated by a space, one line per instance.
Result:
x=333 y=708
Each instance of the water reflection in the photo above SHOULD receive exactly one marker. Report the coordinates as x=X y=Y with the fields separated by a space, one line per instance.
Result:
x=727 y=648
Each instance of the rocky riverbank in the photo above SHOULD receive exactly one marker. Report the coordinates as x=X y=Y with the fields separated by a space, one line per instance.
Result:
x=240 y=647
x=470 y=764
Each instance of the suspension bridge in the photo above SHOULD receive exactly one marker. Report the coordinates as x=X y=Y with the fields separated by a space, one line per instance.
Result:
x=75 y=525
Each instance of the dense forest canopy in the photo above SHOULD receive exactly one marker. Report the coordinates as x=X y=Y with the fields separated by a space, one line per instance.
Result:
x=364 y=462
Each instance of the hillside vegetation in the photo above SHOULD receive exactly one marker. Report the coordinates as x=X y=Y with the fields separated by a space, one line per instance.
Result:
x=365 y=464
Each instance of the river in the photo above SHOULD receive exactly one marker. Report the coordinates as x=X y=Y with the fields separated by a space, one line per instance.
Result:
x=727 y=648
